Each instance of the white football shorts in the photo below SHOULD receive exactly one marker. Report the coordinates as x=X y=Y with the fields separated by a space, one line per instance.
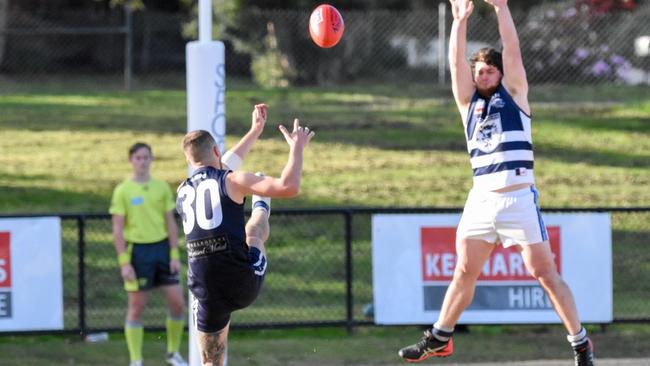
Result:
x=509 y=218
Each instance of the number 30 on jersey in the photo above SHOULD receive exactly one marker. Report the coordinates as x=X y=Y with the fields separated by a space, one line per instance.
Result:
x=205 y=204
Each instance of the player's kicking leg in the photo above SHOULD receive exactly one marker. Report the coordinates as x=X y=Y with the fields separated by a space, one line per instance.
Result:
x=257 y=230
x=213 y=346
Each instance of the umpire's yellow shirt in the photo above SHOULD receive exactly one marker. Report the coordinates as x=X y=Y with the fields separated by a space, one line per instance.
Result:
x=143 y=206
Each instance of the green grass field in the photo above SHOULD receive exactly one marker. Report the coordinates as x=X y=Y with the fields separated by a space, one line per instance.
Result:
x=329 y=347
x=376 y=146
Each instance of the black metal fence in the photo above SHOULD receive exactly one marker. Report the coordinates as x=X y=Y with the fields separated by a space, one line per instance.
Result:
x=560 y=43
x=320 y=271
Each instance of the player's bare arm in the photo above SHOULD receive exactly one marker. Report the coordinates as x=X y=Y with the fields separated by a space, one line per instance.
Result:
x=172 y=235
x=514 y=74
x=241 y=184
x=462 y=84
x=258 y=121
x=126 y=270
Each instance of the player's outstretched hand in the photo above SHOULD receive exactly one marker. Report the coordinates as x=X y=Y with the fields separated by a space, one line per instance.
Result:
x=299 y=137
x=258 y=118
x=461 y=9
x=497 y=3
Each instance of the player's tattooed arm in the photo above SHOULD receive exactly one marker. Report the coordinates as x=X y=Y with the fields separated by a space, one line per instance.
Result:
x=213 y=347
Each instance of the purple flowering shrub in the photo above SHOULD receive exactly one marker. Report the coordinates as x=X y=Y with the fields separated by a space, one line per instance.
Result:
x=562 y=43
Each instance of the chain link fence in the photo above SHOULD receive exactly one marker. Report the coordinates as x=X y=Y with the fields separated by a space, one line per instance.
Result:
x=561 y=43
x=320 y=271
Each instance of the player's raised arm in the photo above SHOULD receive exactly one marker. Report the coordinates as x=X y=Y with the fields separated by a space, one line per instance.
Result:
x=241 y=183
x=462 y=84
x=514 y=74
x=233 y=158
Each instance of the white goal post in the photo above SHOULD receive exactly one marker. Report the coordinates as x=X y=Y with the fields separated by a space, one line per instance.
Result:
x=206 y=109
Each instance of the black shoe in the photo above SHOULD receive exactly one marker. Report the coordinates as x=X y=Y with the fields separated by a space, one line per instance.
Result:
x=584 y=353
x=428 y=346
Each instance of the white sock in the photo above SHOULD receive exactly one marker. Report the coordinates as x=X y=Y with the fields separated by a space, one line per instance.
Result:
x=441 y=332
x=261 y=203
x=578 y=338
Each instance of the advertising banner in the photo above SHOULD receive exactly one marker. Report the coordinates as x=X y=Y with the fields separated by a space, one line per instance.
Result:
x=414 y=258
x=31 y=290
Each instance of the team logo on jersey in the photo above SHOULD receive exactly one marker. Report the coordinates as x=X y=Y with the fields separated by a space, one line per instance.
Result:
x=137 y=201
x=488 y=133
x=496 y=101
x=199 y=176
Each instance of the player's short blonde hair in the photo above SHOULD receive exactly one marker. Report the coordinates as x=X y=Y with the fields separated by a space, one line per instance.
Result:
x=198 y=144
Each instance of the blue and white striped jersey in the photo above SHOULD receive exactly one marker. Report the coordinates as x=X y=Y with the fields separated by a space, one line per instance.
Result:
x=499 y=142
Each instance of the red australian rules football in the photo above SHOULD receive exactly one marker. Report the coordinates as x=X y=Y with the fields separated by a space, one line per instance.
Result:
x=326 y=26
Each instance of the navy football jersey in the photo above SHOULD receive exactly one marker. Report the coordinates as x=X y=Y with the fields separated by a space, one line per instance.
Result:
x=214 y=227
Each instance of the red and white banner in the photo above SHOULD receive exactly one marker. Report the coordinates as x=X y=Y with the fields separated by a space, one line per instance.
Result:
x=5 y=274
x=414 y=258
x=31 y=290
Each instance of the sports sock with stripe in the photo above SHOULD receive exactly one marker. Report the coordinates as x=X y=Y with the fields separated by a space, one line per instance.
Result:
x=579 y=338
x=442 y=333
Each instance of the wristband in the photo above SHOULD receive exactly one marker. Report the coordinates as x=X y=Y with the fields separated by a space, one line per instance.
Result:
x=123 y=258
x=174 y=254
x=232 y=160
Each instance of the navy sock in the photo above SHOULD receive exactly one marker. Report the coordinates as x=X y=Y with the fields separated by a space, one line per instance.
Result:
x=441 y=333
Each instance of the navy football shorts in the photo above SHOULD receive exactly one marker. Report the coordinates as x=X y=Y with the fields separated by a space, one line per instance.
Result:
x=151 y=265
x=215 y=298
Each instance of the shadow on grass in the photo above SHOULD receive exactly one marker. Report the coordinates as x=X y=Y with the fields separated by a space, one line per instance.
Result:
x=16 y=200
x=591 y=93
x=597 y=121
x=577 y=154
